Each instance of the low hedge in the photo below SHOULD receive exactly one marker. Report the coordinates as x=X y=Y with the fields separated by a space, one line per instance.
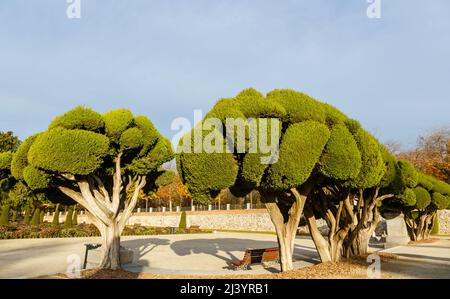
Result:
x=47 y=230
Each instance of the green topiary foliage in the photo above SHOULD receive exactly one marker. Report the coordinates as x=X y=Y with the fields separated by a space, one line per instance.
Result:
x=79 y=118
x=425 y=181
x=36 y=219
x=203 y=172
x=36 y=179
x=332 y=115
x=4 y=217
x=353 y=125
x=68 y=151
x=20 y=160
x=300 y=150
x=26 y=218
x=372 y=168
x=182 y=224
x=440 y=201
x=149 y=133
x=132 y=138
x=166 y=178
x=159 y=154
x=68 y=223
x=408 y=174
x=390 y=163
x=55 y=220
x=407 y=198
x=298 y=106
x=440 y=186
x=341 y=159
x=116 y=122
x=423 y=198
x=435 y=228
x=253 y=104
x=5 y=160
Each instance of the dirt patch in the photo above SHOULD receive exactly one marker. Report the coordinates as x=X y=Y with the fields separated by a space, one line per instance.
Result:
x=427 y=241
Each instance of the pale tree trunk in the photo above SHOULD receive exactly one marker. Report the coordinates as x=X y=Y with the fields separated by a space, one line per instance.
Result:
x=104 y=207
x=411 y=226
x=286 y=229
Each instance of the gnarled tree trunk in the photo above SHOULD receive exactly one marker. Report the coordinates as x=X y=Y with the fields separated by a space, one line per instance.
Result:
x=365 y=218
x=105 y=208
x=286 y=227
x=330 y=249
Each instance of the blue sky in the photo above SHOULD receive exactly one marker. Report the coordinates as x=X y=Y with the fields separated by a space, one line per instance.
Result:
x=165 y=58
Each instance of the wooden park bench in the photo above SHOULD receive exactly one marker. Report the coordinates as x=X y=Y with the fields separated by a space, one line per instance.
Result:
x=265 y=256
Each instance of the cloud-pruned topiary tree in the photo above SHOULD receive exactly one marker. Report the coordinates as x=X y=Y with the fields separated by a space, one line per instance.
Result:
x=430 y=195
x=95 y=159
x=319 y=147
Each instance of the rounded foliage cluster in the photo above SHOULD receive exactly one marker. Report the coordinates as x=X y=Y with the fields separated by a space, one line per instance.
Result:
x=315 y=140
x=341 y=159
x=440 y=201
x=69 y=151
x=79 y=118
x=423 y=198
x=82 y=142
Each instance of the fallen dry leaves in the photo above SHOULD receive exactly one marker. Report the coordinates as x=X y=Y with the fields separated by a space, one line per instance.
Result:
x=354 y=268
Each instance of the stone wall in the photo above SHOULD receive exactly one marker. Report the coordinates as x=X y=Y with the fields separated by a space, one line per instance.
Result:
x=245 y=220
x=444 y=222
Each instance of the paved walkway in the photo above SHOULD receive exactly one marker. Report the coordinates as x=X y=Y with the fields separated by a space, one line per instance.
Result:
x=200 y=254
x=192 y=254
x=427 y=260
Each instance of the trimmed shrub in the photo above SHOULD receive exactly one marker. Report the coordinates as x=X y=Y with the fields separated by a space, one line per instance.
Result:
x=68 y=151
x=341 y=159
x=390 y=163
x=79 y=118
x=372 y=167
x=149 y=133
x=69 y=217
x=440 y=201
x=298 y=106
x=435 y=228
x=300 y=150
x=131 y=139
x=55 y=220
x=20 y=159
x=36 y=220
x=116 y=122
x=35 y=178
x=182 y=224
x=407 y=198
x=423 y=198
x=4 y=217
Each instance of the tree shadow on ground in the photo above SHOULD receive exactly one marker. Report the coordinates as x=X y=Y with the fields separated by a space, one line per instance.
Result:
x=233 y=249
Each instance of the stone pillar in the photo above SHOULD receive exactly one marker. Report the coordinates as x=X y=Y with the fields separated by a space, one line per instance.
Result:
x=139 y=210
x=209 y=207
x=397 y=234
x=178 y=208
x=228 y=206
x=151 y=209
x=248 y=206
x=192 y=208
x=163 y=209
